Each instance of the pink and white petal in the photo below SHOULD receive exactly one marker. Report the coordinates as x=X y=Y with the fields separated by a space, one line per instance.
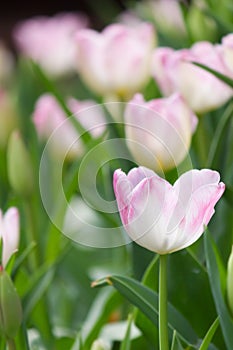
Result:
x=190 y=181
x=200 y=211
x=122 y=189
x=136 y=175
x=10 y=234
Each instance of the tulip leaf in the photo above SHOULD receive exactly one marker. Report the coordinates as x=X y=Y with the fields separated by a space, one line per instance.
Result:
x=209 y=335
x=217 y=74
x=215 y=282
x=51 y=88
x=125 y=345
x=215 y=149
x=147 y=301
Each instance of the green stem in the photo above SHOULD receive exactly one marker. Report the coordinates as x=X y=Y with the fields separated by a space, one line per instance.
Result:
x=11 y=344
x=163 y=329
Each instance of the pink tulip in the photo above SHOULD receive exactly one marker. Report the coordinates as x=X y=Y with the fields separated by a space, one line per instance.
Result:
x=159 y=132
x=50 y=41
x=49 y=118
x=9 y=233
x=202 y=90
x=116 y=61
x=165 y=218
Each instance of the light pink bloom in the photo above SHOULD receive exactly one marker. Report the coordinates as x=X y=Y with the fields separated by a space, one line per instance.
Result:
x=51 y=121
x=201 y=89
x=116 y=61
x=159 y=132
x=227 y=51
x=50 y=41
x=9 y=233
x=165 y=218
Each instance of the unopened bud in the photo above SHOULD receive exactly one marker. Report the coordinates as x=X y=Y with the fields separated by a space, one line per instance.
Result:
x=19 y=163
x=8 y=117
x=10 y=307
x=100 y=344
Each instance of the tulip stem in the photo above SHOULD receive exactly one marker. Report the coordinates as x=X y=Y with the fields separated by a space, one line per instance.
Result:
x=11 y=344
x=163 y=328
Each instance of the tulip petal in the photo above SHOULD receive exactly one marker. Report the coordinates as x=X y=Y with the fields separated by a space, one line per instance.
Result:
x=10 y=234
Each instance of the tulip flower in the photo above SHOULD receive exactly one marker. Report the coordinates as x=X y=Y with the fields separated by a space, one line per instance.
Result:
x=100 y=344
x=158 y=132
x=116 y=61
x=50 y=41
x=174 y=71
x=9 y=233
x=165 y=218
x=50 y=120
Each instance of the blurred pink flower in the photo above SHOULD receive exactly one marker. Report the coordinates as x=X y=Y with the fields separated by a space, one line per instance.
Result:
x=202 y=90
x=9 y=233
x=165 y=218
x=116 y=61
x=50 y=41
x=50 y=121
x=159 y=132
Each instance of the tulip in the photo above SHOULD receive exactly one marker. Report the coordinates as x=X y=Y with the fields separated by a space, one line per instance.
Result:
x=50 y=120
x=9 y=233
x=174 y=71
x=116 y=61
x=8 y=117
x=50 y=41
x=158 y=132
x=165 y=218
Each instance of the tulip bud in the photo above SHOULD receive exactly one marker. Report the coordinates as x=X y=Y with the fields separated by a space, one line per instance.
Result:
x=230 y=281
x=100 y=344
x=10 y=307
x=20 y=169
x=8 y=117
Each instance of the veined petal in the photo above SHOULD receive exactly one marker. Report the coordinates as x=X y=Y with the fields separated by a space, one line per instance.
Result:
x=10 y=234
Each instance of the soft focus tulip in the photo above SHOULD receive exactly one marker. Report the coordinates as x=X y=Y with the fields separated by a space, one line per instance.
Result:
x=165 y=218
x=50 y=41
x=10 y=306
x=19 y=166
x=159 y=132
x=227 y=51
x=116 y=61
x=202 y=90
x=6 y=63
x=230 y=281
x=8 y=117
x=50 y=120
x=9 y=233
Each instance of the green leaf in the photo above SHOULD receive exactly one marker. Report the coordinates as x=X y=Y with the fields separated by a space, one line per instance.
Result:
x=147 y=301
x=125 y=345
x=217 y=74
x=214 y=278
x=209 y=335
x=176 y=344
x=216 y=145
